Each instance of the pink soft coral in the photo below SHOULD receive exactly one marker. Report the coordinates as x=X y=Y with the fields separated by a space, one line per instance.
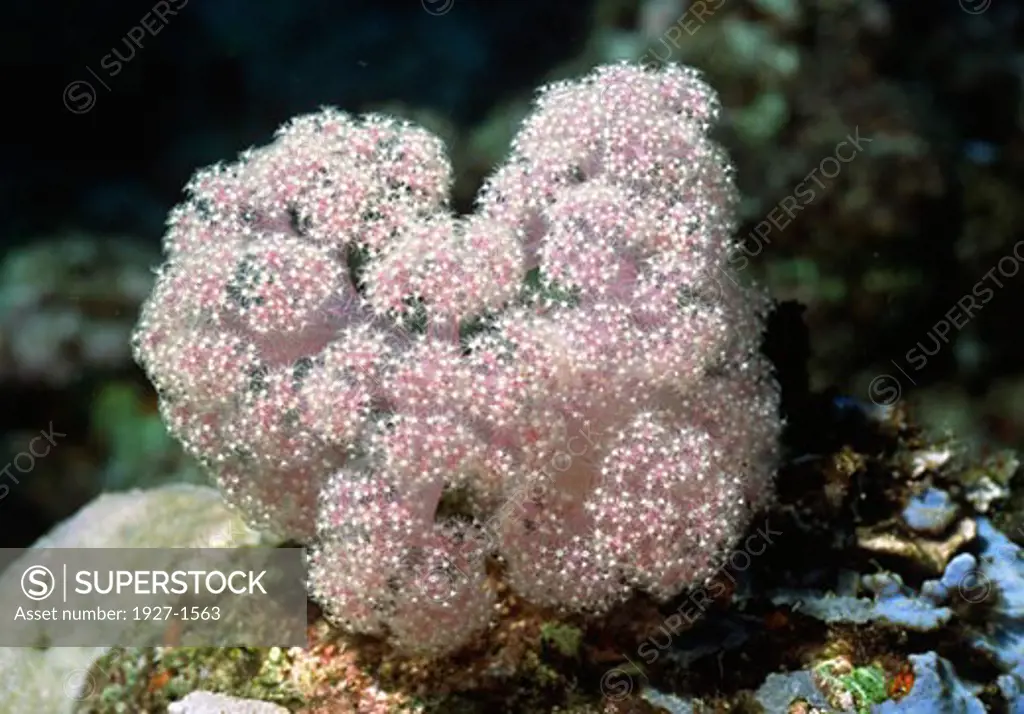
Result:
x=563 y=380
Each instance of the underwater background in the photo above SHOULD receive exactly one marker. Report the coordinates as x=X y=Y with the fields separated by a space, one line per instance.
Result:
x=879 y=148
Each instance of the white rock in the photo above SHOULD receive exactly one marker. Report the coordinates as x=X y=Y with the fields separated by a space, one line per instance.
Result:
x=36 y=681
x=209 y=703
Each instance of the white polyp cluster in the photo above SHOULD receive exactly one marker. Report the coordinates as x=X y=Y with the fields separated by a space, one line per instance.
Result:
x=566 y=384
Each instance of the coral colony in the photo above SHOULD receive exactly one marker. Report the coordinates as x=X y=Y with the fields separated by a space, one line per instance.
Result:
x=564 y=383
